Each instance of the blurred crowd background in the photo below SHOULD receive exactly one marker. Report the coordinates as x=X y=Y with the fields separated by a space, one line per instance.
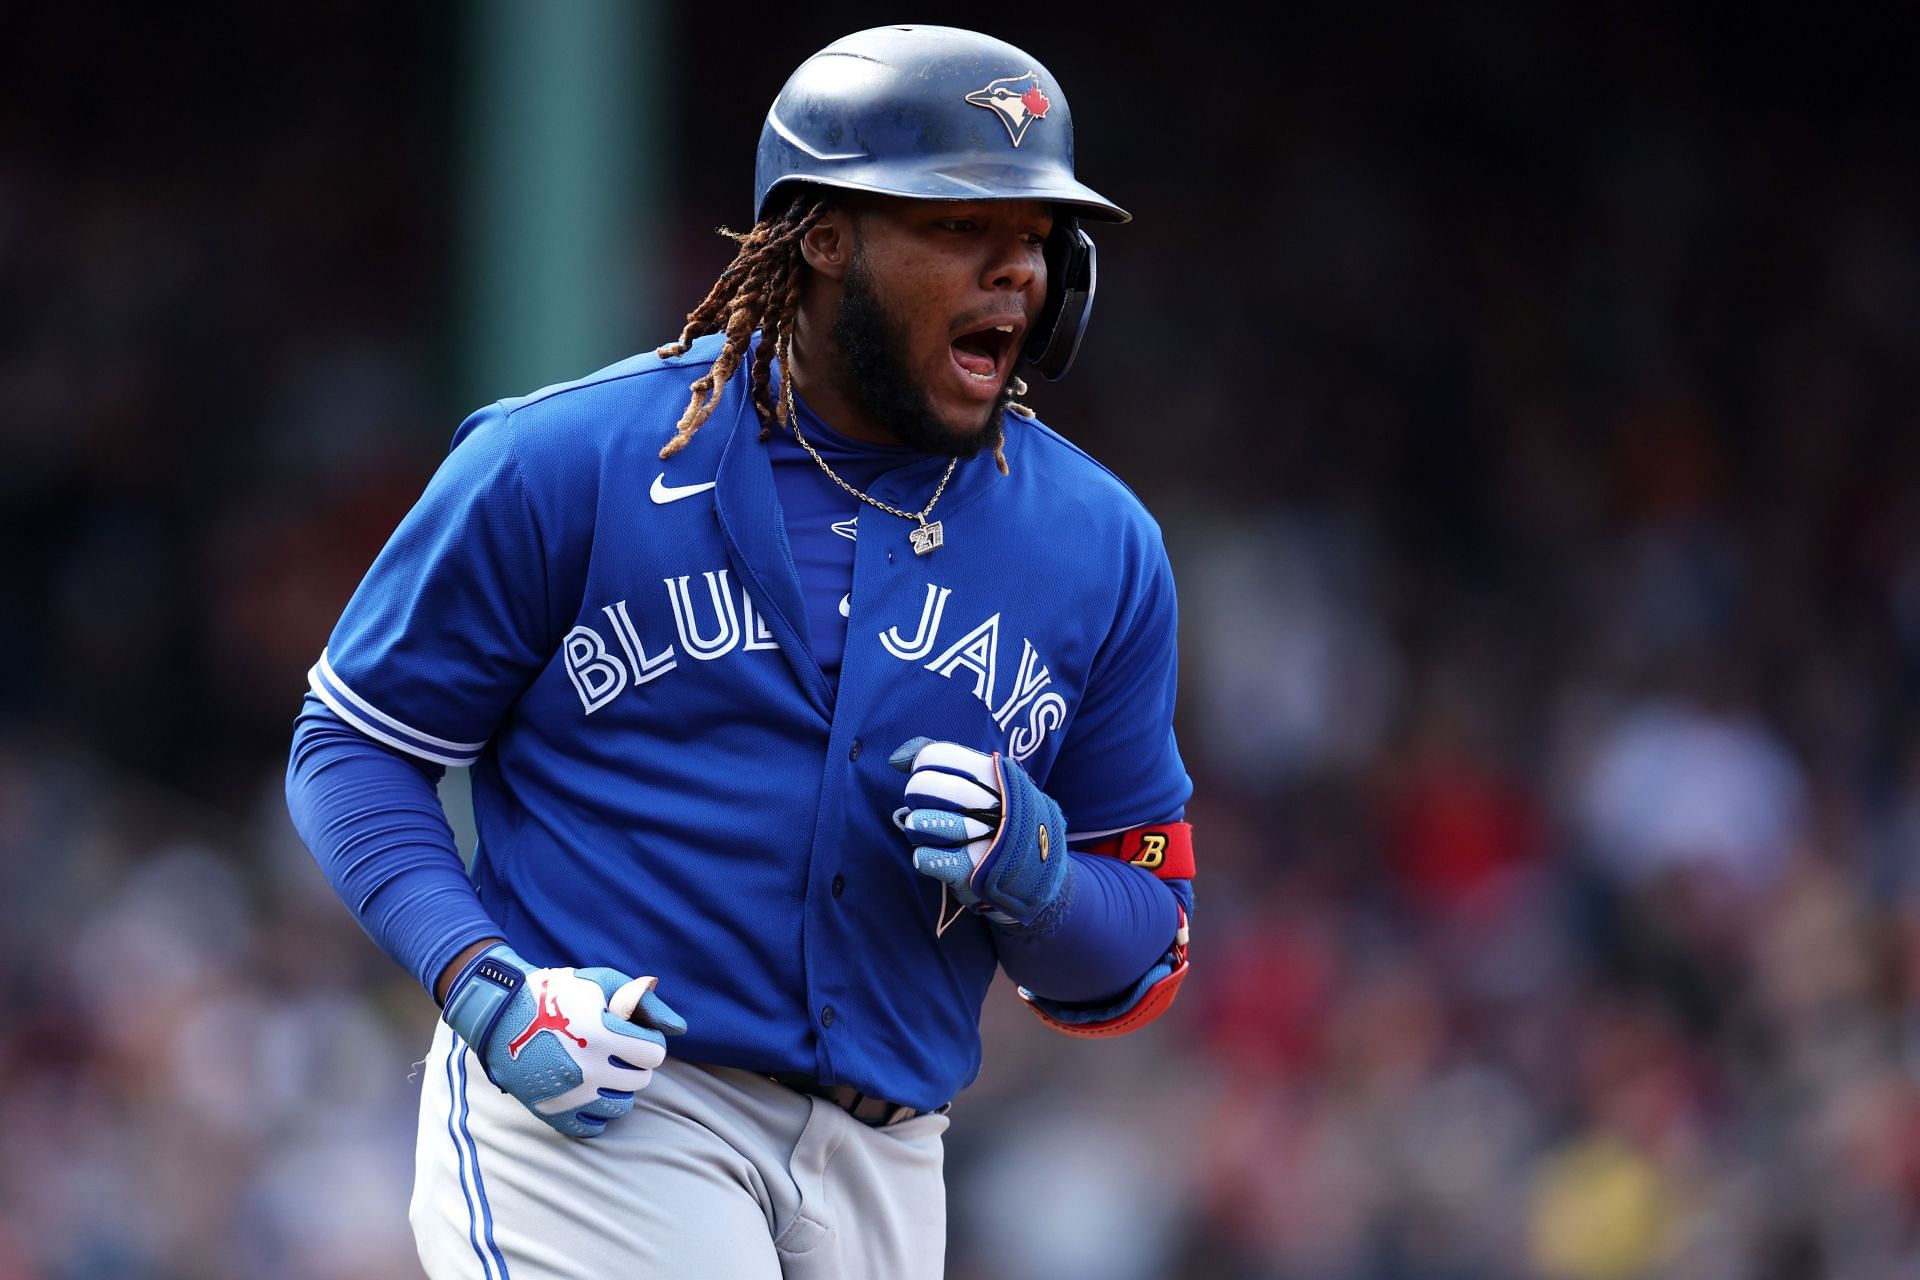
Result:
x=1530 y=400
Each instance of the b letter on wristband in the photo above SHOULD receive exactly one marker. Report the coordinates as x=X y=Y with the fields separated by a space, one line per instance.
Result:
x=1163 y=848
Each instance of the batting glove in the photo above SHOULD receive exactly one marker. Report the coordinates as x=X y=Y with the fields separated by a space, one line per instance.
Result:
x=573 y=1045
x=982 y=828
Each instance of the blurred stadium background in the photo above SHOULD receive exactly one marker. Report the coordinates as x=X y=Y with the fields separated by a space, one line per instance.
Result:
x=1530 y=398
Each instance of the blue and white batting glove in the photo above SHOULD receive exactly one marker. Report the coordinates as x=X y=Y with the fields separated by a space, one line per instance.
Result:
x=982 y=828
x=573 y=1045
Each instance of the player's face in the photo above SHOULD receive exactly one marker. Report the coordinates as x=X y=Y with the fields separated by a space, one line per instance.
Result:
x=934 y=311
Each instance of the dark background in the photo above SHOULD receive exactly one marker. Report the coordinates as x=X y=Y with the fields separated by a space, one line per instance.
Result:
x=1530 y=402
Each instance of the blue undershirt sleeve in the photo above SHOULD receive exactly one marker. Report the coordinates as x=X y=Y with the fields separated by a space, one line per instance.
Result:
x=1119 y=921
x=374 y=823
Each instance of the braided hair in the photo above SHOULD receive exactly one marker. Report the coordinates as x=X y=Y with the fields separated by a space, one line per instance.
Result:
x=760 y=290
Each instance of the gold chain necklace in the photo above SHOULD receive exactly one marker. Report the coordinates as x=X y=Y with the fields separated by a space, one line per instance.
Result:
x=924 y=538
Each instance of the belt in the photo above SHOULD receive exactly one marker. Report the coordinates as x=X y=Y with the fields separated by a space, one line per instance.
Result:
x=874 y=1112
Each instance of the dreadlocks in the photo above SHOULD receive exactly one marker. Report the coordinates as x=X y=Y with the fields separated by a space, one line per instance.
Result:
x=760 y=290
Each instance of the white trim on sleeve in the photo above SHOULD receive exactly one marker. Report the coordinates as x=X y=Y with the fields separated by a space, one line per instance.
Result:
x=376 y=724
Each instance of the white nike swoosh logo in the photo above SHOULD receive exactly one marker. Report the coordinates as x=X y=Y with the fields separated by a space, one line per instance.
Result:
x=846 y=605
x=662 y=492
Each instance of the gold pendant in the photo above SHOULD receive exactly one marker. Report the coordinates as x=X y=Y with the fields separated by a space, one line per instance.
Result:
x=926 y=538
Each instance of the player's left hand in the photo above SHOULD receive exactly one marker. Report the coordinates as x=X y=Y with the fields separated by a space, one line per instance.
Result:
x=982 y=827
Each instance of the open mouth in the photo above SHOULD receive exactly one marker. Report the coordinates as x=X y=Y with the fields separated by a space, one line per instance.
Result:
x=985 y=354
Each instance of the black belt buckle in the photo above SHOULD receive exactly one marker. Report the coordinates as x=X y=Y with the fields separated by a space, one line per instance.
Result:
x=875 y=1113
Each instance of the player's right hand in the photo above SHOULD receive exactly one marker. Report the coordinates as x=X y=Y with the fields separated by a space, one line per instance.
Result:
x=574 y=1045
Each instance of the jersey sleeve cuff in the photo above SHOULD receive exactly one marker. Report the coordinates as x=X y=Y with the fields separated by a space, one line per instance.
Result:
x=381 y=727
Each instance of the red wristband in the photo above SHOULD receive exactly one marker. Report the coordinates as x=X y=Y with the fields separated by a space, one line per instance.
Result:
x=1165 y=849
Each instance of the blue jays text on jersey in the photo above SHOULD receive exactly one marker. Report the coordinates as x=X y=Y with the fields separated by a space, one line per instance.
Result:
x=706 y=625
x=664 y=780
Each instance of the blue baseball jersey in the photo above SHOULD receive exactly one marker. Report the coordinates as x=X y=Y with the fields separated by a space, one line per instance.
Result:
x=665 y=782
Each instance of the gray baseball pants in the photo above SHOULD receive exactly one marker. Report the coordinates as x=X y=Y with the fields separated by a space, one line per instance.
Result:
x=717 y=1174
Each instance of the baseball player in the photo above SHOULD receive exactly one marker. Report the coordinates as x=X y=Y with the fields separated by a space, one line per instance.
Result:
x=807 y=680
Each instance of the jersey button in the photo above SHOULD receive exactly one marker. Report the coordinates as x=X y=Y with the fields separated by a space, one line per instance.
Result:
x=853 y=752
x=826 y=1016
x=839 y=885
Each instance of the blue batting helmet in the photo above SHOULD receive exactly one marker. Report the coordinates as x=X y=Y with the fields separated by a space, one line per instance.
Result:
x=937 y=113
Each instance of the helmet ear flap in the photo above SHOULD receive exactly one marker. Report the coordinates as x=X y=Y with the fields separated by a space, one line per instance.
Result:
x=1071 y=276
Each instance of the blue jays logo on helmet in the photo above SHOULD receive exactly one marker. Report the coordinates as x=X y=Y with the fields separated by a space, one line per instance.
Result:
x=1017 y=100
x=892 y=111
x=899 y=111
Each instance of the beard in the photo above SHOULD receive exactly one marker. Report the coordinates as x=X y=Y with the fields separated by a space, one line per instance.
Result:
x=879 y=381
